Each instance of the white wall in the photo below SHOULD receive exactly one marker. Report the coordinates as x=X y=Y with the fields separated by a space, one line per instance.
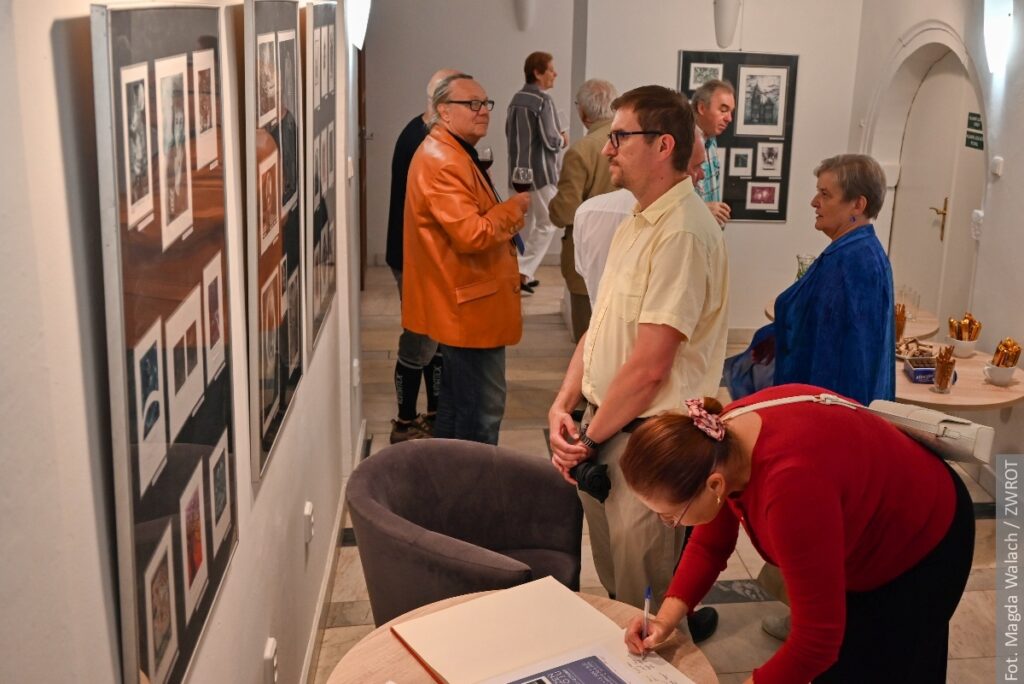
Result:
x=59 y=621
x=408 y=41
x=639 y=44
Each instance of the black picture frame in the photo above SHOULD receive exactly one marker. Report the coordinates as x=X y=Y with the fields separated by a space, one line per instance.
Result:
x=160 y=146
x=762 y=125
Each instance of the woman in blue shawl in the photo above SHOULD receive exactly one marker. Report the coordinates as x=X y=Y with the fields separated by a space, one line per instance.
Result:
x=833 y=327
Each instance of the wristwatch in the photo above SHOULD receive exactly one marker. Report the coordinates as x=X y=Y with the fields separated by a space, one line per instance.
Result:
x=587 y=441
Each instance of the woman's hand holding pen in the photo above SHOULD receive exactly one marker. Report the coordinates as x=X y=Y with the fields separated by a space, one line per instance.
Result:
x=658 y=632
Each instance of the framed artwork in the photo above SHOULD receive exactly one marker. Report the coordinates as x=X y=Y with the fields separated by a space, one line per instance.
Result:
x=702 y=73
x=769 y=159
x=276 y=202
x=173 y=151
x=204 y=81
x=321 y=19
x=763 y=196
x=161 y=630
x=741 y=161
x=192 y=527
x=159 y=137
x=220 y=494
x=137 y=144
x=760 y=137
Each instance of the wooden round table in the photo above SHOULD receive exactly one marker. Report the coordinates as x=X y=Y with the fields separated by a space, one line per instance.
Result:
x=380 y=656
x=972 y=390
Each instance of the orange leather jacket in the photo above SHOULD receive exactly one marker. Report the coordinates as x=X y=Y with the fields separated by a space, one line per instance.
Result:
x=460 y=281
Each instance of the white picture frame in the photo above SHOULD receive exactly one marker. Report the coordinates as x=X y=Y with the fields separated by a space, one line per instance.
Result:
x=701 y=73
x=741 y=162
x=195 y=557
x=269 y=374
x=204 y=80
x=294 y=322
x=761 y=100
x=174 y=152
x=213 y=316
x=331 y=59
x=769 y=159
x=317 y=181
x=316 y=68
x=268 y=200
x=330 y=155
x=324 y=60
x=288 y=115
x=138 y=145
x=266 y=79
x=183 y=361
x=150 y=405
x=220 y=494
x=160 y=610
x=763 y=196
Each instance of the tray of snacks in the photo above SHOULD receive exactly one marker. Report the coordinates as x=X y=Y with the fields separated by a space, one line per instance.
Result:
x=913 y=348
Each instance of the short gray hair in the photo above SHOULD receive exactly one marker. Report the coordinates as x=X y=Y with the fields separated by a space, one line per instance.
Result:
x=858 y=175
x=595 y=97
x=707 y=90
x=442 y=92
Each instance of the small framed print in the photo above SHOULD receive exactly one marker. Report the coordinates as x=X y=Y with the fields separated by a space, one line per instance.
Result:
x=185 y=376
x=316 y=67
x=324 y=156
x=220 y=493
x=174 y=150
x=316 y=170
x=266 y=80
x=161 y=630
x=204 y=80
x=294 y=342
x=289 y=111
x=769 y=159
x=762 y=196
x=270 y=367
x=269 y=214
x=761 y=100
x=741 y=161
x=324 y=36
x=138 y=145
x=194 y=565
x=332 y=59
x=150 y=406
x=330 y=154
x=213 y=320
x=702 y=73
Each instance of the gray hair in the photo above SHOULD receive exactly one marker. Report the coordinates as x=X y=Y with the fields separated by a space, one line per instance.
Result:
x=594 y=98
x=442 y=93
x=858 y=175
x=703 y=94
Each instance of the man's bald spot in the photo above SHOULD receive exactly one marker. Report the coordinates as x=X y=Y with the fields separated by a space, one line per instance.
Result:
x=438 y=76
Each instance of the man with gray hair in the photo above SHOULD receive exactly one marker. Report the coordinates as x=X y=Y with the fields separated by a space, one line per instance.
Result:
x=713 y=104
x=417 y=354
x=584 y=175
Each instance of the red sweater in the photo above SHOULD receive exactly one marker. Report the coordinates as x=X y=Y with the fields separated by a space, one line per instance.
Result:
x=841 y=501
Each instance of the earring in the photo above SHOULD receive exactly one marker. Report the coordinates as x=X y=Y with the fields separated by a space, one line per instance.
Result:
x=853 y=218
x=718 y=500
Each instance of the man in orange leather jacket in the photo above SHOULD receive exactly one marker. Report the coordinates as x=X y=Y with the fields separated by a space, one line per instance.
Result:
x=461 y=280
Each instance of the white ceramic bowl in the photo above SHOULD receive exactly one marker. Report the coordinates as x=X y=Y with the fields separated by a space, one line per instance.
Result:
x=998 y=375
x=962 y=348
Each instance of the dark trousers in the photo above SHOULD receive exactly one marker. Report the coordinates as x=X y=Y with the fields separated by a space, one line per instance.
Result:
x=899 y=632
x=472 y=401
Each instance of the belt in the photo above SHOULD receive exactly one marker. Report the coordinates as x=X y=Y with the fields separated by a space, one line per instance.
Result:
x=629 y=427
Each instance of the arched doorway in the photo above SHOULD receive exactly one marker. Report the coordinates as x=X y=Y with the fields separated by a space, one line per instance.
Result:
x=920 y=135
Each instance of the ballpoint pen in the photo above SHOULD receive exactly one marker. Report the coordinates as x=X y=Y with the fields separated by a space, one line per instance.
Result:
x=647 y=619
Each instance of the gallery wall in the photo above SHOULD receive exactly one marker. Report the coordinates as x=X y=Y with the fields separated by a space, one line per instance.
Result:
x=408 y=41
x=60 y=620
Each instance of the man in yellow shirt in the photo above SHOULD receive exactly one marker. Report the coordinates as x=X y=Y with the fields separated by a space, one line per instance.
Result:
x=656 y=338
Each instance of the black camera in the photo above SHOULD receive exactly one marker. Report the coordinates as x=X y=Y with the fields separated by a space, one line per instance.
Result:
x=592 y=478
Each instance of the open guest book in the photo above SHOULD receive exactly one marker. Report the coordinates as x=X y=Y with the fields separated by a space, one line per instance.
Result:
x=536 y=633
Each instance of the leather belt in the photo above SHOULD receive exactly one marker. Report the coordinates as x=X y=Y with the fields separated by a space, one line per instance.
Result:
x=629 y=427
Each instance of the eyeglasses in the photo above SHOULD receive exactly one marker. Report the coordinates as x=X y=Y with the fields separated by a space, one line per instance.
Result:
x=475 y=105
x=615 y=137
x=674 y=522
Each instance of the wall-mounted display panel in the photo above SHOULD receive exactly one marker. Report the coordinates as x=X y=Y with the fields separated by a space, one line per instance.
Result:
x=755 y=149
x=160 y=145
x=275 y=217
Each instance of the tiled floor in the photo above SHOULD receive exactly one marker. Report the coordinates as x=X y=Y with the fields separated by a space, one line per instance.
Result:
x=535 y=370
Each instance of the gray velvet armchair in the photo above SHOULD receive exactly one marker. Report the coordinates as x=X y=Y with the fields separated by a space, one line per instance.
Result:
x=436 y=518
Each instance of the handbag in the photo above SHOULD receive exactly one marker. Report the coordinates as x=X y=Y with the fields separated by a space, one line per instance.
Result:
x=950 y=437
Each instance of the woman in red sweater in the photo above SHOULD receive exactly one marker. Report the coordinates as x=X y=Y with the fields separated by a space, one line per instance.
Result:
x=873 y=533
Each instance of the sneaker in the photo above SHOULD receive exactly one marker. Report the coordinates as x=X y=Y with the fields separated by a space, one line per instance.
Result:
x=533 y=284
x=525 y=290
x=702 y=623
x=427 y=420
x=777 y=627
x=404 y=430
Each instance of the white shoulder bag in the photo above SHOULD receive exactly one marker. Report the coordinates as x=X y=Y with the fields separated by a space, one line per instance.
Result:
x=951 y=437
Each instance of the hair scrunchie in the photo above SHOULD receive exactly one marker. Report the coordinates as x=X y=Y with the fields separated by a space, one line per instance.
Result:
x=708 y=423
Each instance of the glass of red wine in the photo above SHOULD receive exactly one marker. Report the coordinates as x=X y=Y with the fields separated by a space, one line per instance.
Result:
x=522 y=178
x=486 y=157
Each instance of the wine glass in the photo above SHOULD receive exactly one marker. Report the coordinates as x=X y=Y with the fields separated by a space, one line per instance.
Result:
x=522 y=178
x=486 y=157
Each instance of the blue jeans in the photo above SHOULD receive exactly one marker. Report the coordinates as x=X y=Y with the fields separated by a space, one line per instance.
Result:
x=472 y=401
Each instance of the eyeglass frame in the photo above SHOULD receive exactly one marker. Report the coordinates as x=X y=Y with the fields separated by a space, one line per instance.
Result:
x=675 y=523
x=480 y=104
x=615 y=136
